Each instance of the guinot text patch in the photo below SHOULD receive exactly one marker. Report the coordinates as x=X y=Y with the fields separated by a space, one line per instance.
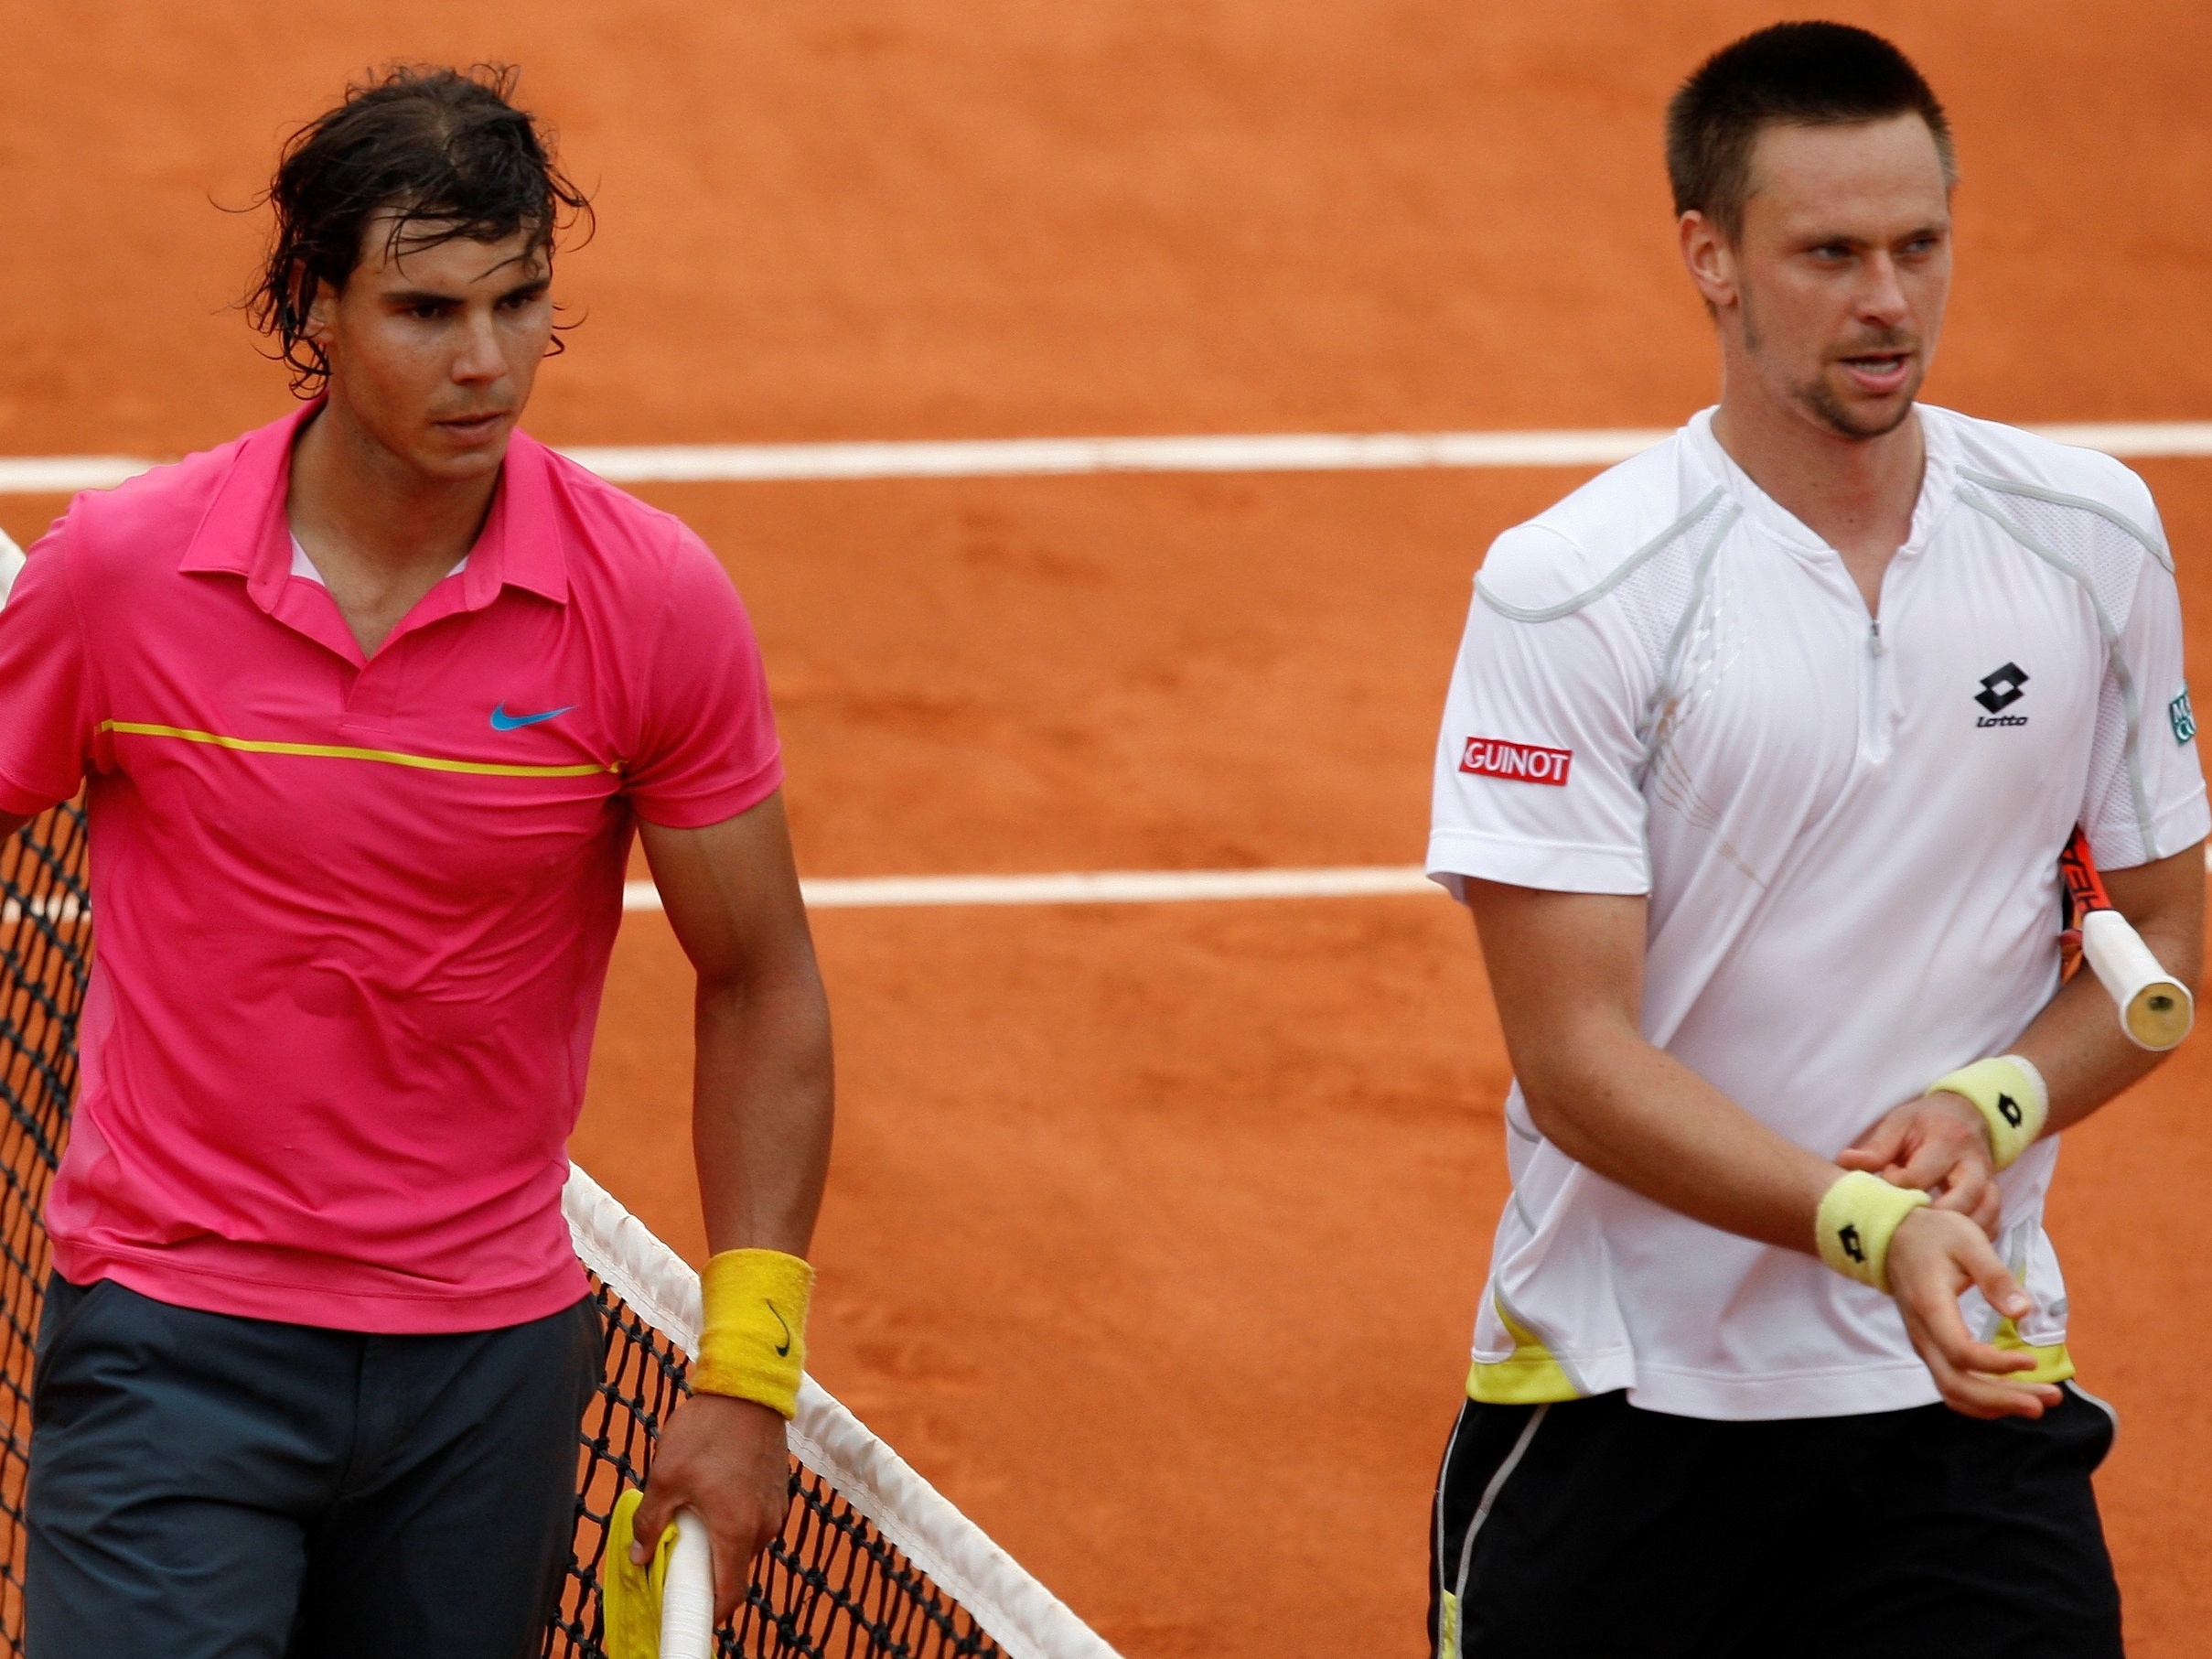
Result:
x=1521 y=762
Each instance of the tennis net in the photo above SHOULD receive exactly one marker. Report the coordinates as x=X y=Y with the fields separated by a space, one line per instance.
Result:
x=46 y=958
x=871 y=1562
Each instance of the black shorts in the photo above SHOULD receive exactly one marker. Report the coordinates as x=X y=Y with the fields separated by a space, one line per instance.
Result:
x=1592 y=1530
x=204 y=1485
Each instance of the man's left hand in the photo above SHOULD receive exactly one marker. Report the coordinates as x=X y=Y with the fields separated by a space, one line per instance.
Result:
x=726 y=1458
x=1938 y=1145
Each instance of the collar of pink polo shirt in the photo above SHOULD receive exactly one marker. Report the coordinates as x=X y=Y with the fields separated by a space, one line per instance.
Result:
x=246 y=533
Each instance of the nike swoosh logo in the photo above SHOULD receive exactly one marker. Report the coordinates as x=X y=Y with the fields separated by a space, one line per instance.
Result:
x=783 y=1353
x=503 y=721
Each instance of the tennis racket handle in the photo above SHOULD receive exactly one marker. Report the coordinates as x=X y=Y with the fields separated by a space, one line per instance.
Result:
x=687 y=1600
x=2155 y=1008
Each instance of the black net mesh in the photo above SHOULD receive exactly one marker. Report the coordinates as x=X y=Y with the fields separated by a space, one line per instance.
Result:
x=46 y=934
x=831 y=1586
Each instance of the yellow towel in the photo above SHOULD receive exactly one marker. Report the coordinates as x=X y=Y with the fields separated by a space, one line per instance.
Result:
x=629 y=1596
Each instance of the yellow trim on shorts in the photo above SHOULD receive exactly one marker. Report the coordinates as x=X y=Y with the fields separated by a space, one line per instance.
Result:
x=1527 y=1376
x=326 y=752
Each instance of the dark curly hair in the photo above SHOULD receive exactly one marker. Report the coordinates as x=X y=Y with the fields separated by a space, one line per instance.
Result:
x=445 y=153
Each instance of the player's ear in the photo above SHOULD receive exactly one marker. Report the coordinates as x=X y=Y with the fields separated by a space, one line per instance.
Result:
x=1708 y=258
x=321 y=313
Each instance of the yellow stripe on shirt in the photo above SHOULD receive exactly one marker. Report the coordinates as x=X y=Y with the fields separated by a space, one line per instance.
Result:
x=2053 y=1364
x=1529 y=1375
x=325 y=751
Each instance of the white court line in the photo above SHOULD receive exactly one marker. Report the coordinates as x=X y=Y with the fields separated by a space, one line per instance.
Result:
x=1099 y=887
x=1092 y=887
x=1062 y=457
x=1088 y=887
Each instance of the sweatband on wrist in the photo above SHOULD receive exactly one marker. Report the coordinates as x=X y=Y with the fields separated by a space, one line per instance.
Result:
x=1859 y=1216
x=753 y=1331
x=2010 y=1095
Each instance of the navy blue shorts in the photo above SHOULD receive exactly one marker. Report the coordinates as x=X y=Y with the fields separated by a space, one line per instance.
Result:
x=1590 y=1530
x=205 y=1485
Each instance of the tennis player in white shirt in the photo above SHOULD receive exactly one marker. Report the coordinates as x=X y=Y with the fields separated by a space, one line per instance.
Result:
x=1756 y=768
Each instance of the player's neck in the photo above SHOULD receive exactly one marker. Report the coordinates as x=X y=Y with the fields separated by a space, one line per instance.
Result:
x=381 y=533
x=1857 y=494
x=353 y=500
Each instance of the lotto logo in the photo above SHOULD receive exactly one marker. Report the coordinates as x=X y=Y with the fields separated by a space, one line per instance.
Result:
x=1523 y=762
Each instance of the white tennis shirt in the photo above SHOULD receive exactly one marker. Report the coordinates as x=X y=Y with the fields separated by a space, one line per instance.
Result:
x=1849 y=831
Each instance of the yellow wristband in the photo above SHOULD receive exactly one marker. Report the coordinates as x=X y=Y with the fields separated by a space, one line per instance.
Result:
x=1858 y=1218
x=2012 y=1100
x=753 y=1335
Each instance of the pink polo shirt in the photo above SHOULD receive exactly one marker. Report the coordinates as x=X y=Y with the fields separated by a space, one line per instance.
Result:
x=354 y=916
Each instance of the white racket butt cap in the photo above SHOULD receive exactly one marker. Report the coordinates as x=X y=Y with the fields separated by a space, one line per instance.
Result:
x=2155 y=1008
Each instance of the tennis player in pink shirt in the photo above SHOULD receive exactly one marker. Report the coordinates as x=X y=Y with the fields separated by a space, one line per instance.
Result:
x=367 y=706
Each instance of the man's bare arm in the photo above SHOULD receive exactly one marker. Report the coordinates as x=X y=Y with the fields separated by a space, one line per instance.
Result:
x=761 y=1118
x=1942 y=1144
x=762 y=1093
x=2076 y=1042
x=1567 y=971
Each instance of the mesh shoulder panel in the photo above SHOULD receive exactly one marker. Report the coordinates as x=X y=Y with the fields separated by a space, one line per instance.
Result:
x=2099 y=546
x=1685 y=611
x=1673 y=599
x=1670 y=540
x=1679 y=608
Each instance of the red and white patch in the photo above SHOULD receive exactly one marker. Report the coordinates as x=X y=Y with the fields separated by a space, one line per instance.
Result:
x=1523 y=762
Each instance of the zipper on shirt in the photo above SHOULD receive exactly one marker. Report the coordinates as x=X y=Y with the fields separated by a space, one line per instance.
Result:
x=1874 y=731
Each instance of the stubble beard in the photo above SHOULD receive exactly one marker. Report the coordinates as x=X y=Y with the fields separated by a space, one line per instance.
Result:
x=1819 y=399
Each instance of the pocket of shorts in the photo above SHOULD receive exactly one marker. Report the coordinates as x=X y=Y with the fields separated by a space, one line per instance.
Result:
x=591 y=1349
x=2106 y=1421
x=52 y=1346
x=54 y=1328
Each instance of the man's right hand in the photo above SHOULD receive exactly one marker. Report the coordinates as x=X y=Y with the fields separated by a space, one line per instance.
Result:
x=1938 y=1145
x=1935 y=1257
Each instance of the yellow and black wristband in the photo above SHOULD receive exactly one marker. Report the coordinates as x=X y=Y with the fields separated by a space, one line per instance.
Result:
x=1859 y=1216
x=753 y=1334
x=2009 y=1092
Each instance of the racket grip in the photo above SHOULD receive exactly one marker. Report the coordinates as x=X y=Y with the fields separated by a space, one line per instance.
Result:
x=687 y=1600
x=2156 y=1009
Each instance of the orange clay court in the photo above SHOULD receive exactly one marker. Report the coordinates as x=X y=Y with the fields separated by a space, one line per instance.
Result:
x=1155 y=1231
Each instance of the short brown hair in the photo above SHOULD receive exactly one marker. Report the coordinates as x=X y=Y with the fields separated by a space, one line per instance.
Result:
x=446 y=153
x=1792 y=74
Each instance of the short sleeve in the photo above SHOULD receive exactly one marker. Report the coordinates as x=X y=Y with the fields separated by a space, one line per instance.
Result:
x=2145 y=799
x=47 y=714
x=1537 y=761
x=706 y=748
